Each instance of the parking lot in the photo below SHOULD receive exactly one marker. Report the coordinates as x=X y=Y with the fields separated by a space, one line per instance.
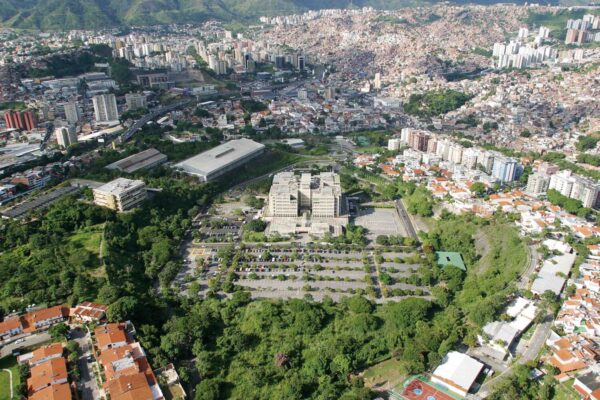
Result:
x=284 y=271
x=380 y=221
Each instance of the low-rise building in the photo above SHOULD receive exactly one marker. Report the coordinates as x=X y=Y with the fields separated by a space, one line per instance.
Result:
x=457 y=372
x=220 y=160
x=146 y=159
x=10 y=327
x=49 y=373
x=46 y=353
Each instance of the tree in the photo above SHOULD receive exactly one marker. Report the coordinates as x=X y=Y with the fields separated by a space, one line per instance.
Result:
x=208 y=389
x=382 y=240
x=122 y=309
x=478 y=188
x=58 y=331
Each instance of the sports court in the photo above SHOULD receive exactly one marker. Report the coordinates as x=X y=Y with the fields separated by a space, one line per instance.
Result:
x=419 y=390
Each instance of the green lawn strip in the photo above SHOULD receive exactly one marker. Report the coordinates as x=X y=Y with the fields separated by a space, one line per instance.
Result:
x=9 y=363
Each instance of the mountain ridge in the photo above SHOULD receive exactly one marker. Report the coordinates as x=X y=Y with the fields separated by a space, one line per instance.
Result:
x=94 y=14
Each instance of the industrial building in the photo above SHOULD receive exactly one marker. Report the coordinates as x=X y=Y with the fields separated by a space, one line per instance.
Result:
x=121 y=194
x=144 y=160
x=218 y=161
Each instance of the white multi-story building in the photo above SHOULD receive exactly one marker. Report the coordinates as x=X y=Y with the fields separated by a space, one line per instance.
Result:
x=105 y=108
x=576 y=187
x=65 y=136
x=562 y=182
x=292 y=195
x=394 y=144
x=455 y=153
x=504 y=169
x=469 y=158
x=537 y=184
x=135 y=101
x=284 y=195
x=121 y=194
x=72 y=112
x=327 y=196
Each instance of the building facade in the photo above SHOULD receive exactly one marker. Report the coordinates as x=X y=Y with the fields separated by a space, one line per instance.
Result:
x=135 y=101
x=65 y=136
x=105 y=108
x=292 y=195
x=20 y=120
x=121 y=194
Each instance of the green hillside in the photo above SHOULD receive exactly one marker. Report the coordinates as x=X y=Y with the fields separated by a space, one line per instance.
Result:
x=70 y=14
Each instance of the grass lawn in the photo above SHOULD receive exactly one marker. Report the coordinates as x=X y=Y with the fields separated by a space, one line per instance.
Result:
x=89 y=238
x=11 y=364
x=565 y=391
x=369 y=149
x=504 y=246
x=386 y=374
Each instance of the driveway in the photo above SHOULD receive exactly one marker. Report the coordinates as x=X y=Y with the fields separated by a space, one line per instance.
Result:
x=87 y=381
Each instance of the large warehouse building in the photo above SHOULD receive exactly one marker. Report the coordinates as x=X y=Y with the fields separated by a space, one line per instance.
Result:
x=216 y=162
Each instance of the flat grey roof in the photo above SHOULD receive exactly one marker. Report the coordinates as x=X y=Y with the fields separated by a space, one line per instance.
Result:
x=547 y=278
x=40 y=202
x=119 y=186
x=210 y=161
x=138 y=161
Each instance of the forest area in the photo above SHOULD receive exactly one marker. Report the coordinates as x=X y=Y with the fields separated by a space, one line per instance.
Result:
x=293 y=349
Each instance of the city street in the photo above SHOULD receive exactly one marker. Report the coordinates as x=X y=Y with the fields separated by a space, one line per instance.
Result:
x=28 y=341
x=87 y=382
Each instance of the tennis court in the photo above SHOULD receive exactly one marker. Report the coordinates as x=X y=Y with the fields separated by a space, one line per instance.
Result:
x=419 y=390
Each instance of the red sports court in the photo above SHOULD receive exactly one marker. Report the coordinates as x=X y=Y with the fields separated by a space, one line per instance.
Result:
x=419 y=390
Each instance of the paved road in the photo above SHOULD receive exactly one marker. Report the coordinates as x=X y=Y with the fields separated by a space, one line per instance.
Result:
x=87 y=381
x=10 y=380
x=29 y=341
x=406 y=219
x=533 y=261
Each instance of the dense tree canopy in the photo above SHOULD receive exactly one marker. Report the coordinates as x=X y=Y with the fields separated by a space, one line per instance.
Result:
x=435 y=103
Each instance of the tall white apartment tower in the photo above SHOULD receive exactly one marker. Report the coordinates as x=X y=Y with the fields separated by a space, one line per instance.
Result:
x=105 y=108
x=72 y=112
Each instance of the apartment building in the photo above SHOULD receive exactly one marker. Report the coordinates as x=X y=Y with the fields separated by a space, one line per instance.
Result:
x=135 y=101
x=105 y=108
x=537 y=184
x=576 y=187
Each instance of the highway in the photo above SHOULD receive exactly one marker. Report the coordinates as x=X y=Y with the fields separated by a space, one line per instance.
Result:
x=149 y=117
x=125 y=136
